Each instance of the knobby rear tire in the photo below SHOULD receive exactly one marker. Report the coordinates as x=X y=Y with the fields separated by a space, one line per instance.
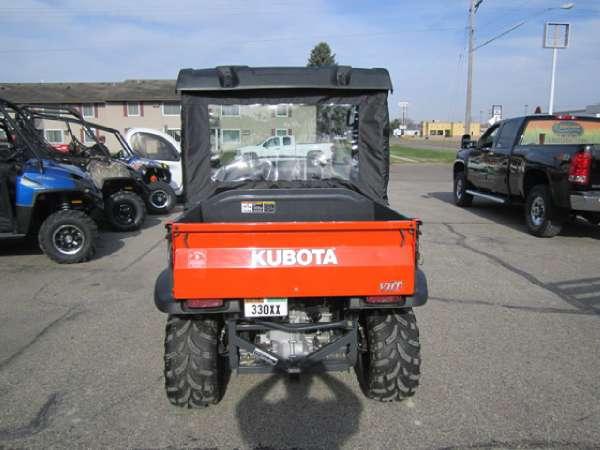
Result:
x=193 y=368
x=389 y=367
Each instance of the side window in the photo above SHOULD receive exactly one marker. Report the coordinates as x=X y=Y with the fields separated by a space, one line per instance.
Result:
x=287 y=140
x=487 y=140
x=152 y=146
x=507 y=135
x=272 y=142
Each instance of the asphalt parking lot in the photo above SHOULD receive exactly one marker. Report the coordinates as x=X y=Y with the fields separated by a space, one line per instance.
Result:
x=510 y=345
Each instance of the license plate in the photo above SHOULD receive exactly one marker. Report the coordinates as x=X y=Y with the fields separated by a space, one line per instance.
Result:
x=265 y=307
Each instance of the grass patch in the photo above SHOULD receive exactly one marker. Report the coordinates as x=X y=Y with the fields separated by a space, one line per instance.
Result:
x=420 y=155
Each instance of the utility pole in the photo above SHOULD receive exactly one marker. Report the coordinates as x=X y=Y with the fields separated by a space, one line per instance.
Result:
x=471 y=31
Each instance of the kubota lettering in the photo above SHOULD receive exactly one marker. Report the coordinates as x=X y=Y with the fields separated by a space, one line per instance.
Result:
x=289 y=257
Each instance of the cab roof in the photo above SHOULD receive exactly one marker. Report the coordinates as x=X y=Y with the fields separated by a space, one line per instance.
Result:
x=240 y=78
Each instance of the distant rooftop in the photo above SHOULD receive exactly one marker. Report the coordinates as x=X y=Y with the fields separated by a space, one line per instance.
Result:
x=128 y=90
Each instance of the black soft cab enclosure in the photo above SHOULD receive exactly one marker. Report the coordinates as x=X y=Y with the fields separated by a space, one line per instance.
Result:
x=290 y=143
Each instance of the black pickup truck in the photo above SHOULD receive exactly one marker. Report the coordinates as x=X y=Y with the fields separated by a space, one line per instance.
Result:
x=551 y=164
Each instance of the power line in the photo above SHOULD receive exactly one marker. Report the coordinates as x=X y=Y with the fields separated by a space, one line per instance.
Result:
x=245 y=42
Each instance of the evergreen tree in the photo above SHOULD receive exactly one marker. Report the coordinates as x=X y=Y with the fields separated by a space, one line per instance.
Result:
x=321 y=55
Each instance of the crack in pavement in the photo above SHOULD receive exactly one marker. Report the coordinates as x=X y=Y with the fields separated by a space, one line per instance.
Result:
x=140 y=257
x=526 y=275
x=537 y=309
x=39 y=423
x=69 y=315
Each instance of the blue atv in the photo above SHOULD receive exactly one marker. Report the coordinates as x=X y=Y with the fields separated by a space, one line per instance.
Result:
x=41 y=195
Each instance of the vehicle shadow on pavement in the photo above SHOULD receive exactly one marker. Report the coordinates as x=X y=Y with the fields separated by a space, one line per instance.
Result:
x=20 y=246
x=110 y=241
x=512 y=216
x=298 y=420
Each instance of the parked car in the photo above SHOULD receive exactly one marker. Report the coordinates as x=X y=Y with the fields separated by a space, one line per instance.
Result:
x=271 y=271
x=158 y=146
x=41 y=195
x=549 y=163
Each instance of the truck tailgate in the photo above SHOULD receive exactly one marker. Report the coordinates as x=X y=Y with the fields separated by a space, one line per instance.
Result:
x=293 y=259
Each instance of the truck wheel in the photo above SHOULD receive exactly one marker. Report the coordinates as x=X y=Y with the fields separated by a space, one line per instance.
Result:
x=194 y=370
x=68 y=236
x=125 y=211
x=161 y=198
x=461 y=198
x=540 y=216
x=389 y=358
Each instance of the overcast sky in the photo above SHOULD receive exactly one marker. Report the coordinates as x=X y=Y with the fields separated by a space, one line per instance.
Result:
x=422 y=43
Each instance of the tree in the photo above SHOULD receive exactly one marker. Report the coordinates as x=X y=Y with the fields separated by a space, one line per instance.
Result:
x=321 y=55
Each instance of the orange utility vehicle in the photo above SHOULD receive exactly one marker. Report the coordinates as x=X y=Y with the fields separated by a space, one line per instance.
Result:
x=288 y=261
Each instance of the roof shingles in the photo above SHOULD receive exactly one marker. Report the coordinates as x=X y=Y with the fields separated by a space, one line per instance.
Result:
x=57 y=93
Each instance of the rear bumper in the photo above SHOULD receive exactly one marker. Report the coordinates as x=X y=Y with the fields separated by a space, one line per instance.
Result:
x=586 y=201
x=164 y=301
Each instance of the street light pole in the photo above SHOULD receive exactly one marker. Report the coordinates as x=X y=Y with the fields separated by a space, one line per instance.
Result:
x=471 y=31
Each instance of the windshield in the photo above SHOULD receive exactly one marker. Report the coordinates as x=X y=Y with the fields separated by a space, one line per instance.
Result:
x=561 y=132
x=288 y=141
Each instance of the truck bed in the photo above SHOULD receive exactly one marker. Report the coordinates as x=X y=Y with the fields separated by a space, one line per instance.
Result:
x=219 y=252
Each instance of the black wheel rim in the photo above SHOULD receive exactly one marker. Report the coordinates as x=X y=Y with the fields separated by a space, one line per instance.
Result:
x=68 y=239
x=124 y=213
x=159 y=198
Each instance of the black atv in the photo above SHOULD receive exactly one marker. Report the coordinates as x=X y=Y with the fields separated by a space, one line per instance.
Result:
x=153 y=176
x=121 y=188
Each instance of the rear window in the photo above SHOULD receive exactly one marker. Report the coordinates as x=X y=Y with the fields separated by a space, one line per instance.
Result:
x=561 y=132
x=287 y=142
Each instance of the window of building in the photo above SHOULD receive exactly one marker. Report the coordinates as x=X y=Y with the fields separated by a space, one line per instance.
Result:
x=54 y=136
x=281 y=132
x=87 y=110
x=282 y=110
x=230 y=110
x=171 y=109
x=133 y=109
x=87 y=139
x=175 y=133
x=231 y=136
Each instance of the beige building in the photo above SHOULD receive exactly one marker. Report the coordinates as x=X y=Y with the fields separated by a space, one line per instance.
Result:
x=435 y=129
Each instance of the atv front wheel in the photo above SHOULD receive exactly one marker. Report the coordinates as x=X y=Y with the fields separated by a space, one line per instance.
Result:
x=68 y=236
x=194 y=370
x=125 y=211
x=389 y=357
x=161 y=198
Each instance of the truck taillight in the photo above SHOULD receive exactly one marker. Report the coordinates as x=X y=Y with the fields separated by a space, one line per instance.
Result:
x=565 y=117
x=204 y=303
x=385 y=299
x=581 y=163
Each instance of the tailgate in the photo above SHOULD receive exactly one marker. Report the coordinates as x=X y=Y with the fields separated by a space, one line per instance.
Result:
x=293 y=259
